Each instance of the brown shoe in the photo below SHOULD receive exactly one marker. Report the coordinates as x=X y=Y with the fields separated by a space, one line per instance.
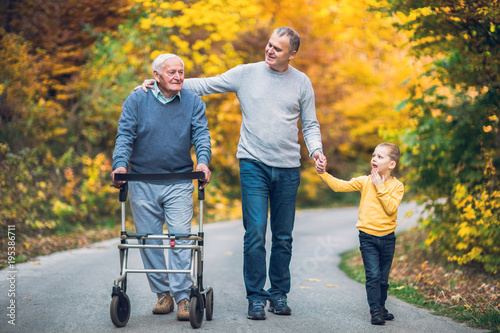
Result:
x=165 y=305
x=183 y=309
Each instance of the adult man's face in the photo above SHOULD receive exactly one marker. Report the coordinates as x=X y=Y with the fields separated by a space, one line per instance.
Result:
x=171 y=77
x=278 y=55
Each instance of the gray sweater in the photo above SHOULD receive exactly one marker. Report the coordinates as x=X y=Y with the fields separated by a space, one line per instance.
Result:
x=157 y=138
x=271 y=104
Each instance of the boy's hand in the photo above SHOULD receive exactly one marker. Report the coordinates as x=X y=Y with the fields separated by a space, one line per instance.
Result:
x=376 y=178
x=319 y=161
x=148 y=83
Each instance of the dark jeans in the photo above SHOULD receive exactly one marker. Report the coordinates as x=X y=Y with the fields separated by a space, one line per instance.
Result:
x=377 y=253
x=264 y=187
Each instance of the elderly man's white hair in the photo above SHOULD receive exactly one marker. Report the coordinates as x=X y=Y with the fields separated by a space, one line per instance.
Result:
x=159 y=61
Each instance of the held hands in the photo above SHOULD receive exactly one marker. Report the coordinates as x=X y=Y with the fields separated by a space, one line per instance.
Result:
x=319 y=161
x=148 y=83
x=203 y=167
x=376 y=178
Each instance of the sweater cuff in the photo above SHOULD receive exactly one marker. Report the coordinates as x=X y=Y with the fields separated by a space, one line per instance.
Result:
x=312 y=153
x=203 y=159
x=118 y=164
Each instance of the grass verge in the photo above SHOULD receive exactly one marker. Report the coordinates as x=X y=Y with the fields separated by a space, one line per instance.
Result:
x=419 y=277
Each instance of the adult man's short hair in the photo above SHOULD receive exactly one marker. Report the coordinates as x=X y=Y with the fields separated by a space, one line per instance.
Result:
x=292 y=35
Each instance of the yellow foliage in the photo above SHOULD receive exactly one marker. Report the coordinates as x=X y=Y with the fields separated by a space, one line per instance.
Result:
x=487 y=128
x=224 y=19
x=479 y=212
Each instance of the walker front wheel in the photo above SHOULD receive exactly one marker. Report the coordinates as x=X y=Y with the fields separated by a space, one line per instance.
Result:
x=196 y=311
x=209 y=306
x=120 y=310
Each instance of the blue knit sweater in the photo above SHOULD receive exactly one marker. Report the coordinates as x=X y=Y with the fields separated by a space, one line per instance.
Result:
x=157 y=138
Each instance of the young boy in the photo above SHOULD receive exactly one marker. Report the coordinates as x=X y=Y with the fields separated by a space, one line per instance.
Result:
x=381 y=195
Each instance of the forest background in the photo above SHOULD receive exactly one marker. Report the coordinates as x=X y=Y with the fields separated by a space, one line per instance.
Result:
x=424 y=75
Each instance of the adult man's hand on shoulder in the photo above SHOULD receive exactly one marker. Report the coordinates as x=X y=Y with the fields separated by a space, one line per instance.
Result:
x=148 y=83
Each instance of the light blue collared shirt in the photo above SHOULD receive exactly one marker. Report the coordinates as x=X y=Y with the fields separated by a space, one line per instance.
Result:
x=159 y=95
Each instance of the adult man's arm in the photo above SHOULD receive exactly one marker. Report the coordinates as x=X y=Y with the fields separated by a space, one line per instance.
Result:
x=223 y=83
x=310 y=124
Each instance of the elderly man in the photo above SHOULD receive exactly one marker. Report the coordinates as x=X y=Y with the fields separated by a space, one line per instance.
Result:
x=155 y=134
x=273 y=96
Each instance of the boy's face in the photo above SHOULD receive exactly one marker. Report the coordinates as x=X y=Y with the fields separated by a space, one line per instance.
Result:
x=381 y=162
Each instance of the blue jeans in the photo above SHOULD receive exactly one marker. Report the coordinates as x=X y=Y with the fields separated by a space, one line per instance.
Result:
x=377 y=253
x=263 y=187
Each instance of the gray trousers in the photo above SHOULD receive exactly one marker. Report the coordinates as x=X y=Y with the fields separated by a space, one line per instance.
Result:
x=152 y=205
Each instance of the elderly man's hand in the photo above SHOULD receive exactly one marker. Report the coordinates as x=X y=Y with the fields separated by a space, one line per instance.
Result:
x=203 y=167
x=118 y=184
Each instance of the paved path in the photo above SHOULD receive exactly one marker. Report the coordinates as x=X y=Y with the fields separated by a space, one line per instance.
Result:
x=71 y=291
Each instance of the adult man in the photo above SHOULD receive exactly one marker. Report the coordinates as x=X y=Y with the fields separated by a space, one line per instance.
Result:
x=155 y=134
x=273 y=96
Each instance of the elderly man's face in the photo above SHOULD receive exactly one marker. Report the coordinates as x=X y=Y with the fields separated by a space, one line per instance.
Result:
x=171 y=77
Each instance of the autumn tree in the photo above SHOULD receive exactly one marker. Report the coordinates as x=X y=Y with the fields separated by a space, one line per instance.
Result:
x=84 y=58
x=357 y=63
x=51 y=169
x=453 y=147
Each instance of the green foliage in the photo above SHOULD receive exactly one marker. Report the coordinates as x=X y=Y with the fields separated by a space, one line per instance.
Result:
x=54 y=176
x=471 y=226
x=452 y=148
x=470 y=305
x=47 y=197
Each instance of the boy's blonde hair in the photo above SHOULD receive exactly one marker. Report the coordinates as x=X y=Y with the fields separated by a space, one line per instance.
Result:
x=394 y=152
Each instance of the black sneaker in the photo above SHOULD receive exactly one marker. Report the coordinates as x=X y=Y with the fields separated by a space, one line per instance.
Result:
x=278 y=306
x=387 y=315
x=377 y=316
x=256 y=310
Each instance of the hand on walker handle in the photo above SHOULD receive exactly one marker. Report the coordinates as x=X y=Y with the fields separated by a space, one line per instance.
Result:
x=118 y=183
x=203 y=167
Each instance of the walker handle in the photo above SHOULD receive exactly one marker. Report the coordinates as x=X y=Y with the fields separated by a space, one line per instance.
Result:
x=130 y=177
x=201 y=193
x=123 y=192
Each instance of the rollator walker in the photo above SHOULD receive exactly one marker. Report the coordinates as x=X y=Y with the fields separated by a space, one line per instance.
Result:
x=201 y=299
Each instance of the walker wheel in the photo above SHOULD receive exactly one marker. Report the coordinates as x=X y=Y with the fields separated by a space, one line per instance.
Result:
x=120 y=310
x=196 y=311
x=209 y=310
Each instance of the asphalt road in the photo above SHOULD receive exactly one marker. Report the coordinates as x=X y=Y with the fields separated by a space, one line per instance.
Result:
x=71 y=291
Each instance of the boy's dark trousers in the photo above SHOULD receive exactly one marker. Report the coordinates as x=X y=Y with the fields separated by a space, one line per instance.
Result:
x=377 y=253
